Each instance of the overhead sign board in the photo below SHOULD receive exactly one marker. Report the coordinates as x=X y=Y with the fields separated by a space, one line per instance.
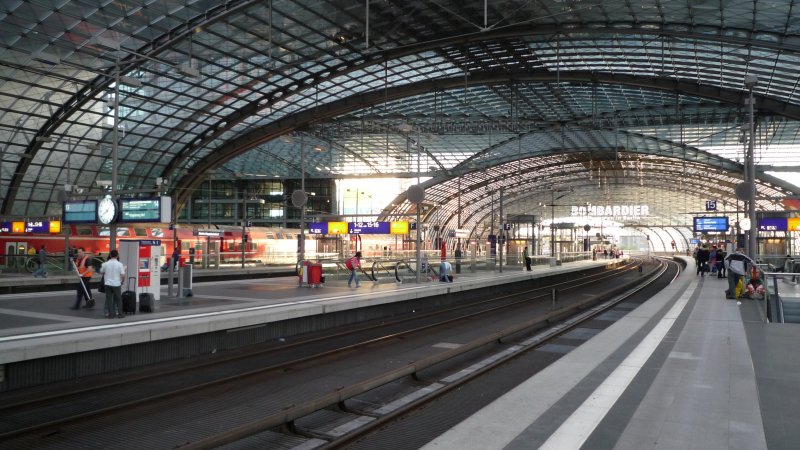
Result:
x=37 y=227
x=773 y=224
x=368 y=227
x=358 y=228
x=79 y=211
x=710 y=224
x=398 y=227
x=337 y=227
x=156 y=209
x=34 y=226
x=793 y=224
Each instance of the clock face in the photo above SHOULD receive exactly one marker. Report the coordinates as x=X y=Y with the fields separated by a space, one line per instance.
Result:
x=107 y=210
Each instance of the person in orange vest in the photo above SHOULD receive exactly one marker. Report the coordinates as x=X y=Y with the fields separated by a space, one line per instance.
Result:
x=83 y=265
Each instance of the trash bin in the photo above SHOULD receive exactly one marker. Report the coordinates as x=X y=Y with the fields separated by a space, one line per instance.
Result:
x=314 y=273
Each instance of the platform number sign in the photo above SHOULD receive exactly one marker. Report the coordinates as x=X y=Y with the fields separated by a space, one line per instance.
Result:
x=711 y=205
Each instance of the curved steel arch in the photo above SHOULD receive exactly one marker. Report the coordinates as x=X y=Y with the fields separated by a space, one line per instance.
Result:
x=698 y=187
x=302 y=119
x=181 y=31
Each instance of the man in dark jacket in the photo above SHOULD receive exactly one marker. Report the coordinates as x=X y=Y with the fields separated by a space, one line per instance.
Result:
x=702 y=261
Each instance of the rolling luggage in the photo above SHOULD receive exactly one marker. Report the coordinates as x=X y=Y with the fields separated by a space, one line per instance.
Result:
x=146 y=302
x=129 y=299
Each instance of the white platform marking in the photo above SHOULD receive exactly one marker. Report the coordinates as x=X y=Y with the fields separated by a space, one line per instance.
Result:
x=582 y=423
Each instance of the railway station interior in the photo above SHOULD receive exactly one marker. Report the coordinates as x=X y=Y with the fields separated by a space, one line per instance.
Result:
x=247 y=149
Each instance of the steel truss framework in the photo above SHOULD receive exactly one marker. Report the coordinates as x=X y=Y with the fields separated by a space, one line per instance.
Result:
x=599 y=99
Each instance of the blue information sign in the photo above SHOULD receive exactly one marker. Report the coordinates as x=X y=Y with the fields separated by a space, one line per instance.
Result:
x=318 y=228
x=712 y=224
x=37 y=227
x=368 y=227
x=773 y=224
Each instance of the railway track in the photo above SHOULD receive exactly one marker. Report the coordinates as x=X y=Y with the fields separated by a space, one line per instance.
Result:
x=153 y=390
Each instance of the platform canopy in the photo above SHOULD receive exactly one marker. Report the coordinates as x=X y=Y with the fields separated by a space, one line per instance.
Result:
x=583 y=101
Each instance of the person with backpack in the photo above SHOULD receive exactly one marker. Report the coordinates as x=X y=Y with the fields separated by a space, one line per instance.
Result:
x=352 y=265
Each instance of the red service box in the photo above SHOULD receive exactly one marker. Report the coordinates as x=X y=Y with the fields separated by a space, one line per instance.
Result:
x=314 y=273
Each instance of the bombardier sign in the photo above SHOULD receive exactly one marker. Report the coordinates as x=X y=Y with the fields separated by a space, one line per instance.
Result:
x=616 y=211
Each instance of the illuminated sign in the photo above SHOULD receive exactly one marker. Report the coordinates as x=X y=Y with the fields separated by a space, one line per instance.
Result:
x=150 y=243
x=773 y=224
x=358 y=228
x=37 y=227
x=158 y=209
x=337 y=227
x=140 y=210
x=793 y=224
x=368 y=227
x=318 y=228
x=713 y=224
x=398 y=228
x=617 y=211
x=80 y=211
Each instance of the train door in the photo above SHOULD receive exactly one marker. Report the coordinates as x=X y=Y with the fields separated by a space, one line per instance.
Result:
x=16 y=253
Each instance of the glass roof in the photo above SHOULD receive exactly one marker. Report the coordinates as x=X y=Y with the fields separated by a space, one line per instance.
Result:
x=535 y=97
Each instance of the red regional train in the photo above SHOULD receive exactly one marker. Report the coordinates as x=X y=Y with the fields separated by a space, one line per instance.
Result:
x=264 y=245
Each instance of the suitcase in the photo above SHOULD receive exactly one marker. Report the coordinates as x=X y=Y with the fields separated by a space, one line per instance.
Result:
x=146 y=302
x=129 y=299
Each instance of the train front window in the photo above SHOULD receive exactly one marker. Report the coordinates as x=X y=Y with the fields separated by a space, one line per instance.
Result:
x=157 y=232
x=140 y=232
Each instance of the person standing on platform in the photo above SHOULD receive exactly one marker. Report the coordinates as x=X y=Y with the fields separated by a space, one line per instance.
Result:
x=176 y=255
x=737 y=266
x=721 y=263
x=83 y=266
x=353 y=264
x=527 y=258
x=114 y=275
x=40 y=263
x=702 y=261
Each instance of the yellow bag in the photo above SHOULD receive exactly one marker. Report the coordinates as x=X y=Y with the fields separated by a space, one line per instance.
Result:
x=739 y=287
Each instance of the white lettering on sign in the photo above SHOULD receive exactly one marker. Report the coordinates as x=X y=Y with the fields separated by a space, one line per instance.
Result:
x=616 y=211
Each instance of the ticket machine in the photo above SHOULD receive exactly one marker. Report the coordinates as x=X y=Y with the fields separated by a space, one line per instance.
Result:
x=141 y=260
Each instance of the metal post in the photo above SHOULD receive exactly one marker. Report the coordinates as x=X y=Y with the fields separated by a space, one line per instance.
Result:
x=114 y=150
x=502 y=233
x=553 y=224
x=554 y=297
x=244 y=224
x=751 y=173
x=419 y=225
x=302 y=252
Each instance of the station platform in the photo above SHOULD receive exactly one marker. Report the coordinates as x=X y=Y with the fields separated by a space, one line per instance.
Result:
x=15 y=282
x=41 y=325
x=687 y=369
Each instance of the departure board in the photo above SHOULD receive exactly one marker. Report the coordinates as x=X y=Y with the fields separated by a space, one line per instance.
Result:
x=140 y=210
x=79 y=211
x=710 y=224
